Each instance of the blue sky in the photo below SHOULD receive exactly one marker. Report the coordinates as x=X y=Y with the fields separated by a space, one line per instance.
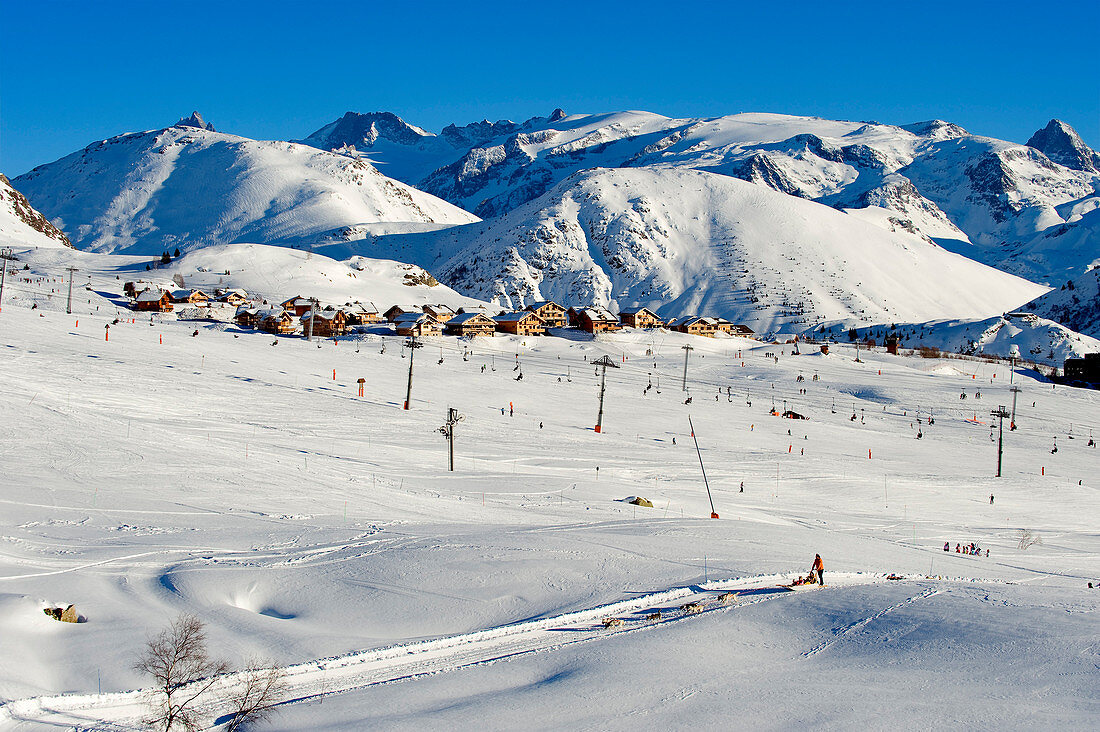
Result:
x=76 y=72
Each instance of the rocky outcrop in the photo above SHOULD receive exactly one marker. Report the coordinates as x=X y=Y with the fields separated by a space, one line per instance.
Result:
x=196 y=120
x=21 y=210
x=1061 y=143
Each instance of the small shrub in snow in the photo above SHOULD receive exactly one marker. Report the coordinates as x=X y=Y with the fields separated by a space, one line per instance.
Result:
x=263 y=686
x=1028 y=539
x=182 y=670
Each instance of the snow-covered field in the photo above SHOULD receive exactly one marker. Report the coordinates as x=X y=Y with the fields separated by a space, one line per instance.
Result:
x=159 y=473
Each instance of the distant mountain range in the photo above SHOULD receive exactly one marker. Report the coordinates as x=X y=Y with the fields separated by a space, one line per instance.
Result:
x=995 y=201
x=775 y=220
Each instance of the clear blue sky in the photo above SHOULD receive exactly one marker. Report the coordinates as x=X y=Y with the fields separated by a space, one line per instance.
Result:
x=75 y=72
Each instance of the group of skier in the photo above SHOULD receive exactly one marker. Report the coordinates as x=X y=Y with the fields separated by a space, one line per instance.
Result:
x=970 y=549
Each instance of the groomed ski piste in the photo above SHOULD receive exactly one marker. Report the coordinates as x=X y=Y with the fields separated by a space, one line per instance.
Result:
x=158 y=472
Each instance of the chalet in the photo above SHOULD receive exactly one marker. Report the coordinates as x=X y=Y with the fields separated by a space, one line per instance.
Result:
x=189 y=297
x=523 y=323
x=279 y=322
x=550 y=313
x=397 y=310
x=596 y=320
x=694 y=325
x=1085 y=369
x=298 y=305
x=360 y=314
x=154 y=300
x=326 y=323
x=743 y=331
x=248 y=317
x=233 y=297
x=417 y=324
x=640 y=318
x=442 y=313
x=470 y=325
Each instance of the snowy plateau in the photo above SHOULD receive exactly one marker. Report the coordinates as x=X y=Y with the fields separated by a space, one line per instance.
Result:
x=157 y=465
x=161 y=466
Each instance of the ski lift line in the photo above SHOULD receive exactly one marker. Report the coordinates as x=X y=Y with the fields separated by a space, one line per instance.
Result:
x=636 y=373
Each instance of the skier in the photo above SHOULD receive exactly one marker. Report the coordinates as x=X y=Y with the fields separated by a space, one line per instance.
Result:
x=947 y=546
x=990 y=499
x=511 y=410
x=742 y=487
x=819 y=567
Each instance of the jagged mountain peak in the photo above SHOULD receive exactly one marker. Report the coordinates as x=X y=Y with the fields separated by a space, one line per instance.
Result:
x=1061 y=143
x=557 y=115
x=937 y=129
x=362 y=130
x=195 y=120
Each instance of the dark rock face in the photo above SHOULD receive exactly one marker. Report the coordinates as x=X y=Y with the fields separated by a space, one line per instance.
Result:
x=758 y=168
x=195 y=120
x=363 y=130
x=24 y=211
x=1061 y=143
x=477 y=133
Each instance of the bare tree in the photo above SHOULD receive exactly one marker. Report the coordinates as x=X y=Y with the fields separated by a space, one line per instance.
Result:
x=183 y=670
x=1028 y=539
x=262 y=686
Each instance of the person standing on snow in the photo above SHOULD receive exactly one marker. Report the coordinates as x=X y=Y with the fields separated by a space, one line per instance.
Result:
x=819 y=567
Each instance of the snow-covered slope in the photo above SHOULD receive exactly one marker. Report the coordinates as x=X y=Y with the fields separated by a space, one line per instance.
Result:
x=189 y=186
x=1076 y=304
x=935 y=177
x=277 y=273
x=266 y=272
x=21 y=225
x=685 y=241
x=1027 y=335
x=309 y=520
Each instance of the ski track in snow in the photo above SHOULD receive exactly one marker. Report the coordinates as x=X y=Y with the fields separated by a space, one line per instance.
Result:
x=312 y=680
x=840 y=633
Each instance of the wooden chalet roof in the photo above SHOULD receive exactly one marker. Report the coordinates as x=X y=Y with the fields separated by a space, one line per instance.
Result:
x=598 y=314
x=516 y=316
x=322 y=315
x=413 y=318
x=464 y=318
x=151 y=295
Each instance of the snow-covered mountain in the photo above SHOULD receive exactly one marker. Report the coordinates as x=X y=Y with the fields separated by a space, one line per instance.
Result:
x=188 y=186
x=983 y=197
x=1033 y=338
x=1076 y=304
x=21 y=225
x=407 y=152
x=686 y=241
x=1061 y=143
